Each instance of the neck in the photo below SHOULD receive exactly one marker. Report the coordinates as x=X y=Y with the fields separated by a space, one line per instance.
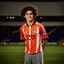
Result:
x=30 y=23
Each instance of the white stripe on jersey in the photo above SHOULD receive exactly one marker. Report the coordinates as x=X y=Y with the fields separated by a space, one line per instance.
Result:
x=40 y=43
x=23 y=30
x=40 y=46
x=37 y=40
x=29 y=38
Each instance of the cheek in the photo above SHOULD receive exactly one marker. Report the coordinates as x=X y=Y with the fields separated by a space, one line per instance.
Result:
x=32 y=17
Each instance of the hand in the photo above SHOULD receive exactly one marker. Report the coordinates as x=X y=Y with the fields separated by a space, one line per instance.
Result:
x=43 y=45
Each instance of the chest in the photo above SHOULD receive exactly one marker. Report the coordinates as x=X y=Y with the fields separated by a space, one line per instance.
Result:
x=31 y=30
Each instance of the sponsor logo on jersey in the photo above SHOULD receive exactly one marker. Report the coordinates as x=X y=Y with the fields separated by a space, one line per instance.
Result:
x=35 y=31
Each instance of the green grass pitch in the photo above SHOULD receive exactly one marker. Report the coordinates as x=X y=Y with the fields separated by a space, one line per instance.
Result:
x=15 y=54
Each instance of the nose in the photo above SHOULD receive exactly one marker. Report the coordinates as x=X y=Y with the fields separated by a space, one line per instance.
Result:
x=29 y=15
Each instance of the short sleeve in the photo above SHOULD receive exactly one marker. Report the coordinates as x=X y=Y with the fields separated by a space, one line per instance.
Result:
x=43 y=32
x=21 y=34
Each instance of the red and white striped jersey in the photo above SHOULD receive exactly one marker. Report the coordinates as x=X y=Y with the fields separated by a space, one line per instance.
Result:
x=33 y=36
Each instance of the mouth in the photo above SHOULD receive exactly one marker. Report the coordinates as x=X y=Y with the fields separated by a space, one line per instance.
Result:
x=30 y=21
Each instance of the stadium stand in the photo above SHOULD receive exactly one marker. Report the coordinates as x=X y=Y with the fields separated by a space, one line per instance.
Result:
x=11 y=33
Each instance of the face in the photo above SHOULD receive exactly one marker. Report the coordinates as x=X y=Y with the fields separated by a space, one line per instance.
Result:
x=29 y=16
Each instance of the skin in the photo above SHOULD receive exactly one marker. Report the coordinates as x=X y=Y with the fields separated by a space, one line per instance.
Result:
x=44 y=43
x=29 y=17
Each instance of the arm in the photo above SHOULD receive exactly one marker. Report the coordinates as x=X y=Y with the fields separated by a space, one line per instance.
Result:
x=44 y=42
x=44 y=35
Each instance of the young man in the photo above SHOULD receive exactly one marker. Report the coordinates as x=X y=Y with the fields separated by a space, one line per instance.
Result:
x=34 y=34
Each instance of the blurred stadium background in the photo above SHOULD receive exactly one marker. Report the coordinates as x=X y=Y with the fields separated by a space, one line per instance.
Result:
x=51 y=14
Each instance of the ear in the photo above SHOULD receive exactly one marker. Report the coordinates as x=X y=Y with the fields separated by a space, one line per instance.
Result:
x=24 y=17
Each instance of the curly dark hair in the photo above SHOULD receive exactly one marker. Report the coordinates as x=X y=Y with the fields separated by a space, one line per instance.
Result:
x=27 y=8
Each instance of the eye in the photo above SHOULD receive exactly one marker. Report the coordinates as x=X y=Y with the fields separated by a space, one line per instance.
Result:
x=27 y=14
x=31 y=13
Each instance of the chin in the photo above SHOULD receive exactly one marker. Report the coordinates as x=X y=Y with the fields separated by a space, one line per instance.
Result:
x=30 y=21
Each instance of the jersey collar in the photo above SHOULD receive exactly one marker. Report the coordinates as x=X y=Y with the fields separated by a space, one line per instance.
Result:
x=32 y=24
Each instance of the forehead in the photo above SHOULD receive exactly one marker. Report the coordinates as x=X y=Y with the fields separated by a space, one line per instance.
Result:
x=29 y=11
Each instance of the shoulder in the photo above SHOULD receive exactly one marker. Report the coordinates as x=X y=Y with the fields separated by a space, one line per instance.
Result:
x=22 y=26
x=39 y=24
